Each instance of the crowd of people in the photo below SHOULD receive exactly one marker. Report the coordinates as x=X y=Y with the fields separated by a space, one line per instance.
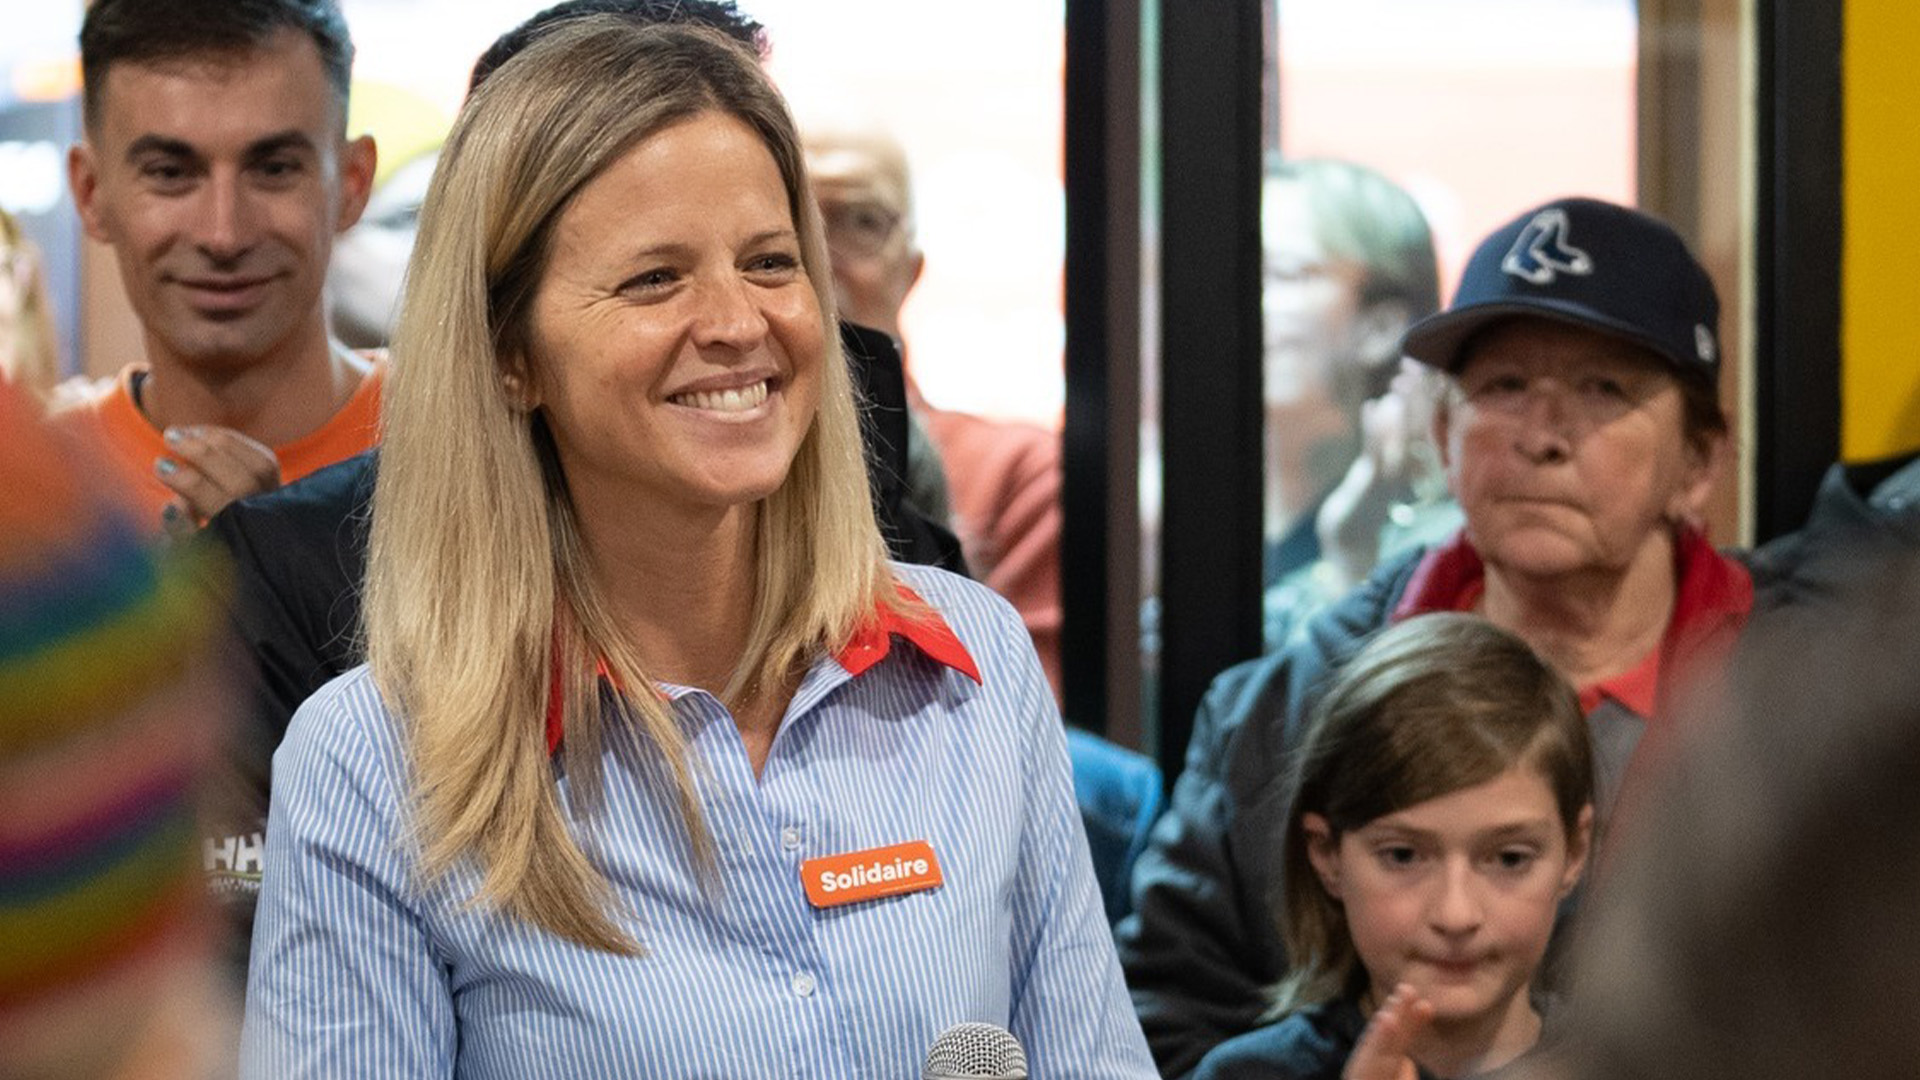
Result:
x=583 y=676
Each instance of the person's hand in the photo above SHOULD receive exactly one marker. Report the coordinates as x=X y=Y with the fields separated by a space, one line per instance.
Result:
x=1354 y=513
x=1384 y=1050
x=1395 y=430
x=1389 y=426
x=210 y=467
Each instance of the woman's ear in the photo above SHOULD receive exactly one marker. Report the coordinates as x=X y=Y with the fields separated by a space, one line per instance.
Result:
x=1323 y=851
x=1579 y=846
x=518 y=385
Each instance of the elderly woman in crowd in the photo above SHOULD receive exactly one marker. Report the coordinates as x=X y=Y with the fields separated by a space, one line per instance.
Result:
x=1579 y=434
x=658 y=767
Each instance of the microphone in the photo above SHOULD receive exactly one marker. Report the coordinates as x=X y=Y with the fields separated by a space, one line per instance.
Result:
x=975 y=1051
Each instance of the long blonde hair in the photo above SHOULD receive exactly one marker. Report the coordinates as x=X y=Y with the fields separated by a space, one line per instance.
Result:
x=479 y=587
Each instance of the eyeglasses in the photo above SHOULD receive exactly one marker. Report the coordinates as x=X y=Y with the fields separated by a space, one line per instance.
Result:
x=1283 y=270
x=859 y=229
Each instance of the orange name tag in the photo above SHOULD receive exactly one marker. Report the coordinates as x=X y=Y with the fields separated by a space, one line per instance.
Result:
x=871 y=874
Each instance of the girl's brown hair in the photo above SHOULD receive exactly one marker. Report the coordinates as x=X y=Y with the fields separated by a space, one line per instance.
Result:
x=1433 y=705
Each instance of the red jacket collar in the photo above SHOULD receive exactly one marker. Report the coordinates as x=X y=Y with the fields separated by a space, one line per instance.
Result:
x=1711 y=604
x=921 y=626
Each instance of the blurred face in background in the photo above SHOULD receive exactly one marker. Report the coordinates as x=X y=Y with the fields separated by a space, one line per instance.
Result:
x=1309 y=299
x=860 y=181
x=1310 y=315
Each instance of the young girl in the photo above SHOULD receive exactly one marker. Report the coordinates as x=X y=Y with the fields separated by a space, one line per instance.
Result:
x=1442 y=811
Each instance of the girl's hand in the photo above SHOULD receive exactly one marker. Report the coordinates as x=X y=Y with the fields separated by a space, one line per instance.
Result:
x=1384 y=1048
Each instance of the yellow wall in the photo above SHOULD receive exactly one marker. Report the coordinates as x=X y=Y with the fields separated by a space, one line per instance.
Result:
x=1880 y=305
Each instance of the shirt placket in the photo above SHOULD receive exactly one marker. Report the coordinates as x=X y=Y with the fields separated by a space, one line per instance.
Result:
x=763 y=838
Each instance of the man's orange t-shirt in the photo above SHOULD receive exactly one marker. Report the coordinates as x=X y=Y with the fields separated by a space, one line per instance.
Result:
x=134 y=444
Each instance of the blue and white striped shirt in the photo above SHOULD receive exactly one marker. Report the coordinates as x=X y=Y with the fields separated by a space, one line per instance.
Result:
x=360 y=971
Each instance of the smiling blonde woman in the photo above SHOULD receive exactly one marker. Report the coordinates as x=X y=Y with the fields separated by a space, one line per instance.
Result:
x=641 y=678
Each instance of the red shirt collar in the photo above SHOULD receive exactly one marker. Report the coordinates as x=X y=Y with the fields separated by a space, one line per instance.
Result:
x=921 y=626
x=1637 y=688
x=1711 y=604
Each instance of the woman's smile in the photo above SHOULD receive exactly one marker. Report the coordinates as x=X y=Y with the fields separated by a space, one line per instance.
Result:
x=731 y=400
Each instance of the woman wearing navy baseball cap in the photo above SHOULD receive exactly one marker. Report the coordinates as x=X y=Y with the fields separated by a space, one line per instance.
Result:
x=1580 y=434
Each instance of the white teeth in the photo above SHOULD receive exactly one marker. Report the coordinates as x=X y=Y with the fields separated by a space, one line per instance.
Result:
x=738 y=400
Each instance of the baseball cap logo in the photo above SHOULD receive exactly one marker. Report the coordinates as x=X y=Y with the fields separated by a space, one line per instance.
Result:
x=1542 y=251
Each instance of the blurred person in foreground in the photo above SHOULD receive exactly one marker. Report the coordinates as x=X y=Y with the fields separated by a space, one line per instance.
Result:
x=657 y=760
x=1580 y=433
x=1777 y=933
x=215 y=162
x=105 y=945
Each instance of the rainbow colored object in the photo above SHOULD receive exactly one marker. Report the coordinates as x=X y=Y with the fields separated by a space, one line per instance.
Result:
x=106 y=723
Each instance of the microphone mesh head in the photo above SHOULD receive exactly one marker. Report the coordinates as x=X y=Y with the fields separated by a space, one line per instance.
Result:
x=975 y=1051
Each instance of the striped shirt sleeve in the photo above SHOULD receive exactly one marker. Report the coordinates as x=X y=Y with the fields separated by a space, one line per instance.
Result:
x=344 y=981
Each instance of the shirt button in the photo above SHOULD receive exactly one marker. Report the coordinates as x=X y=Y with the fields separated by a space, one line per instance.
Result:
x=803 y=985
x=790 y=837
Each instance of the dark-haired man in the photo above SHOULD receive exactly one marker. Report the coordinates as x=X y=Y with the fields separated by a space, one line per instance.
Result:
x=215 y=162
